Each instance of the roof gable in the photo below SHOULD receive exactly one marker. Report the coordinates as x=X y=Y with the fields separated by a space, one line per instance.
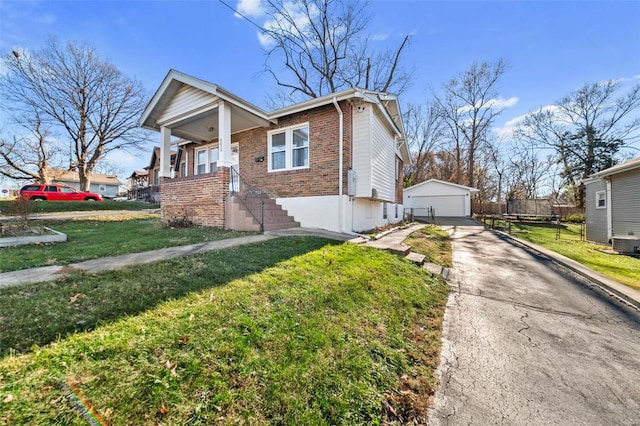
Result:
x=429 y=182
x=72 y=176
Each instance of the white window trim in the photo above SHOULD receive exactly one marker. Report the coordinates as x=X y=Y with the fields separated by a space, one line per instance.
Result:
x=288 y=148
x=601 y=195
x=207 y=157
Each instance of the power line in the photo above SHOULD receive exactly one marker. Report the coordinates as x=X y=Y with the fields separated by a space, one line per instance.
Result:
x=240 y=14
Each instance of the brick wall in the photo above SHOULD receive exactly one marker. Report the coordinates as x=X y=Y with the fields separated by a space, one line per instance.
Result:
x=321 y=178
x=200 y=198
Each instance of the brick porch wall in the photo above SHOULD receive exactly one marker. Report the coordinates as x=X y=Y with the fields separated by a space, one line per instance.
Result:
x=200 y=198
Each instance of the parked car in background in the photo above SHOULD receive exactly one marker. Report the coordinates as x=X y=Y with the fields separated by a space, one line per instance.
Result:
x=56 y=192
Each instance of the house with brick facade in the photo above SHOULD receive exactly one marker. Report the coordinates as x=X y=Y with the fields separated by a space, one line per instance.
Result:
x=333 y=162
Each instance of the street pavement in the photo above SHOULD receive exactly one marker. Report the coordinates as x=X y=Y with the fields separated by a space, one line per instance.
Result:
x=528 y=341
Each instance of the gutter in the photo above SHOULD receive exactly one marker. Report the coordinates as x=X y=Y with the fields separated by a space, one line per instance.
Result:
x=340 y=167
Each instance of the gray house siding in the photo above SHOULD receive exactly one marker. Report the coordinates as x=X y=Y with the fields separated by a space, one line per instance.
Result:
x=104 y=189
x=596 y=218
x=625 y=203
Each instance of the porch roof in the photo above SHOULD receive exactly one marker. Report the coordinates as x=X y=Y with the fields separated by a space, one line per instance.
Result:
x=199 y=123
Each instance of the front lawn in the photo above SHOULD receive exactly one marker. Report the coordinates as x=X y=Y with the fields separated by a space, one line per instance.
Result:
x=77 y=206
x=289 y=331
x=107 y=236
x=624 y=269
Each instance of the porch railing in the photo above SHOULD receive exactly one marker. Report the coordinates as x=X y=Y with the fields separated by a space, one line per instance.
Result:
x=251 y=198
x=150 y=194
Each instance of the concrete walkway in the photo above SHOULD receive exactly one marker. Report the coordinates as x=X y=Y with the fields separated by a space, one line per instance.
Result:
x=52 y=273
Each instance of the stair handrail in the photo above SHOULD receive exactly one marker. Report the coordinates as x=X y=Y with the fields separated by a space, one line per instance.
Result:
x=252 y=199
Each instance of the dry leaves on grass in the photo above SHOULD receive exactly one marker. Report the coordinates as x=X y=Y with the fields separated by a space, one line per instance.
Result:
x=171 y=367
x=75 y=297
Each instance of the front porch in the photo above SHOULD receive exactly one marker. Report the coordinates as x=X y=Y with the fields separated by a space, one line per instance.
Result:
x=199 y=118
x=221 y=199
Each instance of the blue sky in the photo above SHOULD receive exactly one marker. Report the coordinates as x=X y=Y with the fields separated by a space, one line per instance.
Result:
x=552 y=47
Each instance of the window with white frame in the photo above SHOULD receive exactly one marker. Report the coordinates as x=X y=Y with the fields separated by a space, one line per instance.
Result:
x=214 y=155
x=601 y=200
x=201 y=161
x=289 y=148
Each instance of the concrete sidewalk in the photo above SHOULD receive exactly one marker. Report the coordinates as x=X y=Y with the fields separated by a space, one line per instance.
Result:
x=51 y=273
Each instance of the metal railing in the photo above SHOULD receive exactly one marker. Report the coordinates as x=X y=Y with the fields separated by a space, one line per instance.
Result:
x=427 y=214
x=252 y=199
x=150 y=194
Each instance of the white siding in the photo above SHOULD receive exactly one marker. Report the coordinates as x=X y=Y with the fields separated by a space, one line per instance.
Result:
x=187 y=99
x=383 y=174
x=362 y=151
x=368 y=214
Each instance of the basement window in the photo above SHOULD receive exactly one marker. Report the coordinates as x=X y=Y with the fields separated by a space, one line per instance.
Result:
x=601 y=200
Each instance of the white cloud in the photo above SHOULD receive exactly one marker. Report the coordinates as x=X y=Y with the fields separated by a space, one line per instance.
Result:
x=379 y=37
x=507 y=131
x=498 y=103
x=278 y=21
x=47 y=18
x=502 y=103
x=252 y=8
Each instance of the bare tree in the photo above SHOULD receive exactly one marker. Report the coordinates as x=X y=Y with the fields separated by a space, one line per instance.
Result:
x=424 y=130
x=323 y=47
x=586 y=129
x=72 y=89
x=469 y=106
x=529 y=169
x=30 y=157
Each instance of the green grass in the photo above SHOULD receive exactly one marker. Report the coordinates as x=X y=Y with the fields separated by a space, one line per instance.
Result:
x=335 y=334
x=108 y=236
x=433 y=242
x=77 y=206
x=624 y=269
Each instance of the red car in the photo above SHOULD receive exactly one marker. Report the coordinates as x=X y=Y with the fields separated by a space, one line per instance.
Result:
x=56 y=192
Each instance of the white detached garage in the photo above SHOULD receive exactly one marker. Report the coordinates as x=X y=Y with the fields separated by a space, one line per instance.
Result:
x=446 y=199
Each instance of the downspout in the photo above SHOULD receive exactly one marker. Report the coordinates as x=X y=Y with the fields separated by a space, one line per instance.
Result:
x=340 y=147
x=608 y=201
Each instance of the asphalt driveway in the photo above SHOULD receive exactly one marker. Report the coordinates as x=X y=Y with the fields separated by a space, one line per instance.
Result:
x=528 y=342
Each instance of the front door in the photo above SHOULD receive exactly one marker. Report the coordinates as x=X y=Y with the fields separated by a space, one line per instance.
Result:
x=234 y=184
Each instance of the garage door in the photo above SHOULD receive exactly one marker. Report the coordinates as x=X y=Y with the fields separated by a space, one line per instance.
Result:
x=444 y=205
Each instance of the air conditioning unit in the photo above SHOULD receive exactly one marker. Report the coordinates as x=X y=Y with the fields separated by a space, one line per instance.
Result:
x=627 y=244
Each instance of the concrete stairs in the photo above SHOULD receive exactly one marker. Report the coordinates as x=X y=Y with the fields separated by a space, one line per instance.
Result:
x=237 y=216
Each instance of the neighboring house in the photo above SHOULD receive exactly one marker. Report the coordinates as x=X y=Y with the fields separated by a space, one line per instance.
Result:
x=612 y=206
x=105 y=185
x=333 y=162
x=440 y=198
x=138 y=179
x=145 y=184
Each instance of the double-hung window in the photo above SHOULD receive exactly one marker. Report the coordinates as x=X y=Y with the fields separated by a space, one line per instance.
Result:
x=214 y=155
x=201 y=161
x=289 y=148
x=207 y=160
x=601 y=200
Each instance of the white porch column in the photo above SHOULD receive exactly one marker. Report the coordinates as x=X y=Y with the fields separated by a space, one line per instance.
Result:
x=224 y=134
x=165 y=152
